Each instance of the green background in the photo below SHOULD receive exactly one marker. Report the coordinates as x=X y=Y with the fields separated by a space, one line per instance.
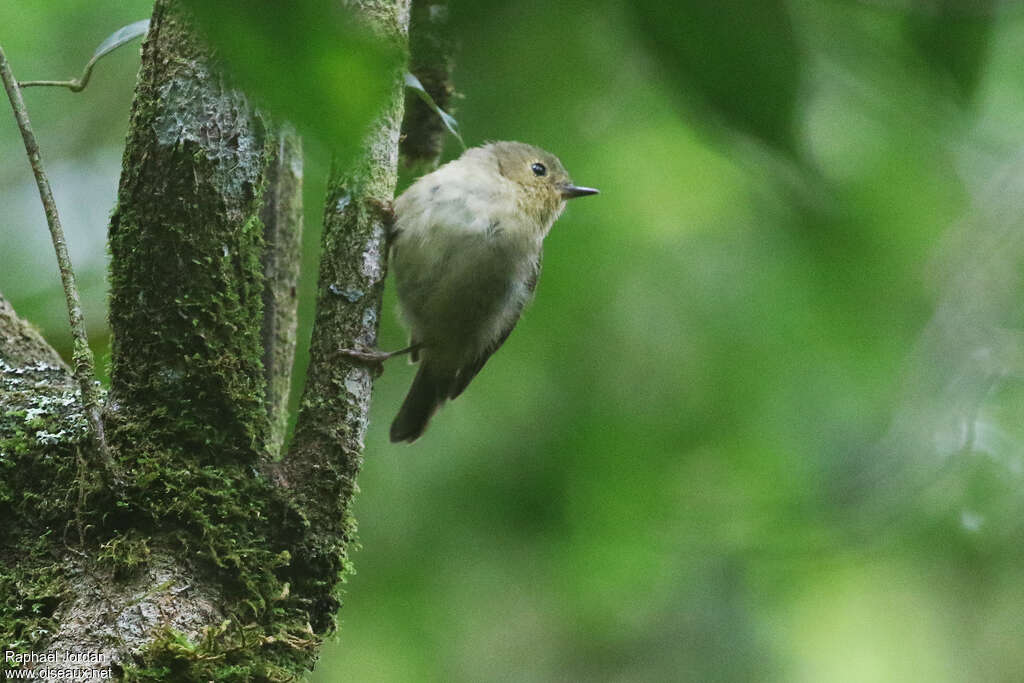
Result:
x=764 y=419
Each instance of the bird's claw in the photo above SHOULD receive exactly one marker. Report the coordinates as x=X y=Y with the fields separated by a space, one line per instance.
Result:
x=371 y=359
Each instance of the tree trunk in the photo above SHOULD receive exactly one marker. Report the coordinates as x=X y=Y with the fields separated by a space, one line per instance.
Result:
x=216 y=560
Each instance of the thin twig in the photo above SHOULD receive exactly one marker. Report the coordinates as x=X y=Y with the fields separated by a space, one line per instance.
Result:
x=74 y=84
x=82 y=355
x=122 y=36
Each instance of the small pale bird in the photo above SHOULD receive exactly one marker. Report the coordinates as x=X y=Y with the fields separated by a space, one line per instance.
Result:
x=466 y=252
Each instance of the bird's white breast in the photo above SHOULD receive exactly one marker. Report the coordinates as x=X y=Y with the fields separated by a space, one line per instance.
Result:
x=462 y=255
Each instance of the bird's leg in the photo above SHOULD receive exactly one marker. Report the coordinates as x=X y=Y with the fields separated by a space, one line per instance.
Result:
x=376 y=356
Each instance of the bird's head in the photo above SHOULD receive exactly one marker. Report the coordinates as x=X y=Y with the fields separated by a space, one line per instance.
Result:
x=542 y=179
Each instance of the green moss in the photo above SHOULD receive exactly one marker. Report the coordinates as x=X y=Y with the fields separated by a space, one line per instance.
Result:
x=198 y=382
x=228 y=653
x=216 y=512
x=187 y=374
x=42 y=431
x=189 y=425
x=125 y=553
x=31 y=588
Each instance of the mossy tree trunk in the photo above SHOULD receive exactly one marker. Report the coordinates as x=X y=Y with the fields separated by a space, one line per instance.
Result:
x=220 y=557
x=430 y=60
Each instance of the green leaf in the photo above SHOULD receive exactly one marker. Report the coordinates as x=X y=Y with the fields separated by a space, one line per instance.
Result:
x=450 y=123
x=314 y=63
x=955 y=41
x=123 y=35
x=740 y=57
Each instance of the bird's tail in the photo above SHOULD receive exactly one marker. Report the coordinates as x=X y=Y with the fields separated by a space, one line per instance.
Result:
x=428 y=391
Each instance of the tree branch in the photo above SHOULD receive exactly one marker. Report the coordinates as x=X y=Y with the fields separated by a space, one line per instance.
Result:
x=430 y=47
x=82 y=358
x=326 y=452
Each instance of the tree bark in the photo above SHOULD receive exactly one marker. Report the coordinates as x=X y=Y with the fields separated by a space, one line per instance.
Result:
x=430 y=60
x=216 y=560
x=326 y=453
x=281 y=215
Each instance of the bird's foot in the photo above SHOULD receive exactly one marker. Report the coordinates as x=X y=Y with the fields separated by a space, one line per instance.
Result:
x=367 y=356
x=375 y=357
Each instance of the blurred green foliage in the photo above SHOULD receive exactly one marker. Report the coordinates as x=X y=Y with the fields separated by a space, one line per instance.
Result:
x=740 y=57
x=763 y=421
x=954 y=37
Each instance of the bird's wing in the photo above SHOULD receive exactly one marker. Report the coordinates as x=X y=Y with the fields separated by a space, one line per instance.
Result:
x=467 y=372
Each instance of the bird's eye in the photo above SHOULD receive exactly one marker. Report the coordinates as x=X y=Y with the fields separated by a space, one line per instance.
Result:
x=539 y=169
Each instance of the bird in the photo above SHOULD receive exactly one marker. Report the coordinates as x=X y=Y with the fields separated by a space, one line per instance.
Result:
x=465 y=249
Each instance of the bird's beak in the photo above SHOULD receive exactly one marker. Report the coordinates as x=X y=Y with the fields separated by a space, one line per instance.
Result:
x=572 y=191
